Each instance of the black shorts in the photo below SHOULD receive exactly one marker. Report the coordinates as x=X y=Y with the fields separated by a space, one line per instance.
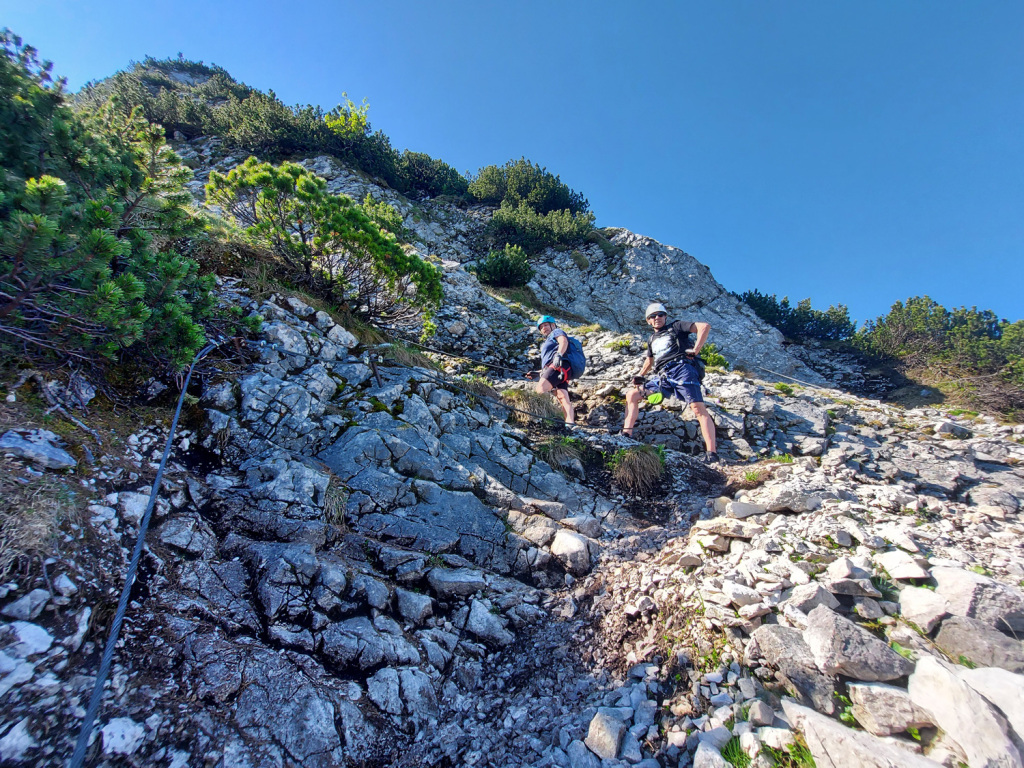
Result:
x=555 y=378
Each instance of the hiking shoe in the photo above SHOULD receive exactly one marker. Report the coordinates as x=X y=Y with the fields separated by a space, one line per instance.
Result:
x=711 y=458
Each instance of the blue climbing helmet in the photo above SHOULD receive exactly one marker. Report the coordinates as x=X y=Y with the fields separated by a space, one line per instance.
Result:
x=546 y=319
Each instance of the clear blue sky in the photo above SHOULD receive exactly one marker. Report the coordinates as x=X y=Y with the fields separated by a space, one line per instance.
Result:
x=854 y=152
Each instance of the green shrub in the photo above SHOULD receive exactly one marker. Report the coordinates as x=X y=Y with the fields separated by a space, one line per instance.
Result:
x=209 y=102
x=331 y=242
x=522 y=182
x=90 y=207
x=507 y=268
x=803 y=322
x=385 y=216
x=971 y=355
x=521 y=225
x=784 y=389
x=712 y=357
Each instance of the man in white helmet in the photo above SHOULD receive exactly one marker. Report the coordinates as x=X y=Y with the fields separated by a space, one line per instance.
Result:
x=671 y=353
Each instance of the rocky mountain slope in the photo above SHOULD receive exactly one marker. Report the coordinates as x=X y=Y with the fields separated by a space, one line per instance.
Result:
x=355 y=561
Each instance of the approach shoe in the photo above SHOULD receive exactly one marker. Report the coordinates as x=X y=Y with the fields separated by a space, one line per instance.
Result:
x=711 y=458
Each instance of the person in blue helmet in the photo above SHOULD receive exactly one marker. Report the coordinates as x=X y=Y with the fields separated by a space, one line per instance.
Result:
x=555 y=369
x=671 y=353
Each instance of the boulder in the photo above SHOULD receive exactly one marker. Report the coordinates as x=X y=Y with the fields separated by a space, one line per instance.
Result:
x=38 y=447
x=923 y=607
x=487 y=626
x=885 y=709
x=1002 y=689
x=807 y=597
x=979 y=597
x=975 y=641
x=964 y=714
x=899 y=565
x=784 y=648
x=572 y=552
x=833 y=745
x=605 y=736
x=725 y=526
x=841 y=647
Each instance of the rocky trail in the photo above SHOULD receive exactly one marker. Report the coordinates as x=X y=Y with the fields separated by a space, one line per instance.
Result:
x=357 y=563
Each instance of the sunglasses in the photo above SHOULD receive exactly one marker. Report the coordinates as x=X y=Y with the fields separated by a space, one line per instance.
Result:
x=656 y=314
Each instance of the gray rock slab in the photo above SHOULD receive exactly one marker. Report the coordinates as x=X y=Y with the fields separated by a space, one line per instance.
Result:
x=807 y=597
x=964 y=715
x=580 y=756
x=1003 y=689
x=979 y=597
x=900 y=565
x=27 y=607
x=731 y=527
x=923 y=607
x=456 y=582
x=885 y=709
x=841 y=647
x=604 y=736
x=977 y=642
x=833 y=745
x=487 y=626
x=708 y=756
x=784 y=648
x=38 y=447
x=414 y=606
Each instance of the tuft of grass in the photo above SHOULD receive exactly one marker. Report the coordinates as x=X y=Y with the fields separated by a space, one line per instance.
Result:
x=405 y=355
x=537 y=406
x=31 y=514
x=784 y=389
x=796 y=755
x=619 y=345
x=560 y=450
x=638 y=470
x=784 y=458
x=580 y=260
x=734 y=755
x=903 y=651
x=334 y=502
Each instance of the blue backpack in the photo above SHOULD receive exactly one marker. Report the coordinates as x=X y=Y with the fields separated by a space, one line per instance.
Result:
x=575 y=357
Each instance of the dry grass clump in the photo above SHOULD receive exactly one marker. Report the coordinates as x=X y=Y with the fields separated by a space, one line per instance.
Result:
x=638 y=470
x=30 y=515
x=477 y=385
x=560 y=451
x=538 y=406
x=405 y=355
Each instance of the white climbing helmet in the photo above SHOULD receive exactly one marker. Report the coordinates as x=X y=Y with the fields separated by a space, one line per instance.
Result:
x=656 y=306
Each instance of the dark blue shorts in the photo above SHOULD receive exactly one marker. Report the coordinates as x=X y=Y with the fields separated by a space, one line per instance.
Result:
x=680 y=381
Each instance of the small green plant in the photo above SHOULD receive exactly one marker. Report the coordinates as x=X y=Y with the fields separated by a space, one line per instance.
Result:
x=559 y=450
x=619 y=345
x=903 y=651
x=783 y=458
x=967 y=662
x=796 y=755
x=734 y=755
x=785 y=389
x=980 y=570
x=886 y=587
x=914 y=733
x=752 y=476
x=713 y=358
x=846 y=713
x=436 y=561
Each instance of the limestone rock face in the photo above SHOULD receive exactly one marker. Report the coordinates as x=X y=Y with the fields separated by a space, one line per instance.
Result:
x=650 y=271
x=979 y=597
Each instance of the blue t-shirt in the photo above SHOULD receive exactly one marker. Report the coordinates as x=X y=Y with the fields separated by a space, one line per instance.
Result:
x=549 y=347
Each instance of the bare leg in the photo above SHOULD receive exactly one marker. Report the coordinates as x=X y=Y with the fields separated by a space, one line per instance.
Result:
x=562 y=395
x=633 y=398
x=707 y=426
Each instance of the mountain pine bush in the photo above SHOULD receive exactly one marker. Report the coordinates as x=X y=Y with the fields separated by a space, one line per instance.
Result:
x=331 y=243
x=90 y=206
x=507 y=268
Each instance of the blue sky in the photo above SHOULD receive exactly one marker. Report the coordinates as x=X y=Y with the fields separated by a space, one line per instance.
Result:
x=855 y=153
